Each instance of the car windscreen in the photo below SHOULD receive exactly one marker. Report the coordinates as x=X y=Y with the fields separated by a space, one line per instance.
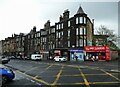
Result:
x=37 y=56
x=61 y=57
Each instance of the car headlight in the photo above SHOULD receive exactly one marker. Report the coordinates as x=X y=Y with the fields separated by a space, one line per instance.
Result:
x=8 y=71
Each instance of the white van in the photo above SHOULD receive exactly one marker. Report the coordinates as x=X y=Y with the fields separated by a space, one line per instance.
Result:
x=36 y=57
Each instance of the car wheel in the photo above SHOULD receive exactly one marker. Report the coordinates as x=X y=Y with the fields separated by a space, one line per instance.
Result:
x=59 y=60
x=4 y=79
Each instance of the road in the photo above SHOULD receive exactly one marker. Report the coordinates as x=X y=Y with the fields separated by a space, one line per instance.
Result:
x=77 y=74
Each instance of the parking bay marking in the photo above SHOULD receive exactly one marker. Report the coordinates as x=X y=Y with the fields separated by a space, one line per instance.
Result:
x=39 y=80
x=44 y=70
x=110 y=75
x=85 y=75
x=58 y=76
x=81 y=83
x=31 y=69
x=104 y=82
x=84 y=78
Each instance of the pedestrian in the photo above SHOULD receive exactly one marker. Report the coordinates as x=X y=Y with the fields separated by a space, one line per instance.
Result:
x=76 y=58
x=93 y=58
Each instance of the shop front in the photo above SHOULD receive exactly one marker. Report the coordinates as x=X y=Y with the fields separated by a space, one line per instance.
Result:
x=45 y=54
x=97 y=53
x=61 y=52
x=76 y=55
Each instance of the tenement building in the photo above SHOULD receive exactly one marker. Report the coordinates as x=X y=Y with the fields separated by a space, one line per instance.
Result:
x=69 y=36
x=66 y=38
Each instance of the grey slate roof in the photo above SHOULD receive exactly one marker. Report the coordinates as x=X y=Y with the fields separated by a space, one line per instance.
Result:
x=80 y=11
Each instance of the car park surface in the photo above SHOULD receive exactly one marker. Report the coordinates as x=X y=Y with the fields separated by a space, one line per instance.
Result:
x=71 y=74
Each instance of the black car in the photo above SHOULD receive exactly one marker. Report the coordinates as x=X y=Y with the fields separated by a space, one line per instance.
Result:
x=4 y=59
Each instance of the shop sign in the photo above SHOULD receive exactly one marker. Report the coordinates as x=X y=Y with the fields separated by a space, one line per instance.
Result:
x=57 y=51
x=43 y=51
x=76 y=50
x=96 y=48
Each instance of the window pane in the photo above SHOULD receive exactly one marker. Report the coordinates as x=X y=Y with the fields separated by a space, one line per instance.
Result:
x=68 y=23
x=81 y=19
x=81 y=31
x=68 y=43
x=84 y=31
x=81 y=42
x=76 y=31
x=68 y=32
x=84 y=20
x=62 y=25
x=77 y=20
x=77 y=41
x=84 y=42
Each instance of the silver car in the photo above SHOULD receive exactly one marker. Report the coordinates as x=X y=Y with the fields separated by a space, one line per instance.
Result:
x=4 y=59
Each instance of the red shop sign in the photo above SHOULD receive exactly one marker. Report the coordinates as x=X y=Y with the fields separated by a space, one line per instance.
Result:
x=95 y=48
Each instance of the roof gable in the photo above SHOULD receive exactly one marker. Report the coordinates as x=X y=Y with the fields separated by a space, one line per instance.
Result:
x=80 y=11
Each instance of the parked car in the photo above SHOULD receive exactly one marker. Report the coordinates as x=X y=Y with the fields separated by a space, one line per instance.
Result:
x=6 y=74
x=4 y=59
x=36 y=57
x=60 y=58
x=12 y=57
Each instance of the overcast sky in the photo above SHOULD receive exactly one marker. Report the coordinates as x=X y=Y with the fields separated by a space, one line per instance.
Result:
x=21 y=15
